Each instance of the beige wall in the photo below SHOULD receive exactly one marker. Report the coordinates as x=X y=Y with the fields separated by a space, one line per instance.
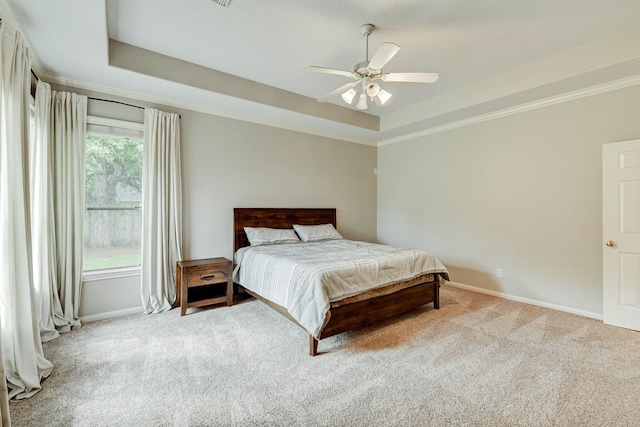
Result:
x=229 y=163
x=521 y=193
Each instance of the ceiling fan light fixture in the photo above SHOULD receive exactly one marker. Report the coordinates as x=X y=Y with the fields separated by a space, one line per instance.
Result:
x=383 y=96
x=366 y=72
x=349 y=95
x=362 y=103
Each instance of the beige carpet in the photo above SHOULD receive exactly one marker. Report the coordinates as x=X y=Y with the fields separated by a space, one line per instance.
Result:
x=478 y=361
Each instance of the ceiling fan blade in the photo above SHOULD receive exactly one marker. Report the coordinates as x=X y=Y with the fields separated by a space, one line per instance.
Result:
x=410 y=77
x=338 y=91
x=329 y=71
x=385 y=52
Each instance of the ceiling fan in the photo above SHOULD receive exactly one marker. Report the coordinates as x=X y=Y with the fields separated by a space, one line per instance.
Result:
x=367 y=72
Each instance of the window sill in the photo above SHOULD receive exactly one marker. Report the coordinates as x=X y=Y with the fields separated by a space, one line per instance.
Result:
x=115 y=273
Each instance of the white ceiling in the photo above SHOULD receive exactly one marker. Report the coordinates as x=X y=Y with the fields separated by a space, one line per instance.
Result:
x=490 y=54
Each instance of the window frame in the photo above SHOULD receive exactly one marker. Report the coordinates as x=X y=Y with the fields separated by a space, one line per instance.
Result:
x=118 y=272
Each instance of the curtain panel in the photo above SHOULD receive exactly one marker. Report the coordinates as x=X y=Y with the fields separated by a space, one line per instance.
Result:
x=5 y=419
x=58 y=175
x=161 y=210
x=23 y=360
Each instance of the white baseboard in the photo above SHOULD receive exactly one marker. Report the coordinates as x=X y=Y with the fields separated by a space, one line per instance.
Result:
x=597 y=316
x=110 y=314
x=566 y=309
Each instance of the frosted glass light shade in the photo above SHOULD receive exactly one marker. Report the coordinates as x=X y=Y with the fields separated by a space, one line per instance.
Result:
x=373 y=89
x=383 y=96
x=349 y=95
x=362 y=103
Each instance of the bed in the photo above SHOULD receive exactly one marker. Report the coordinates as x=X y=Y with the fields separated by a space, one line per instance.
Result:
x=345 y=314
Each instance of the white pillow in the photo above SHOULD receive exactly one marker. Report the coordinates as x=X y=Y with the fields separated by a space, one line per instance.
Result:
x=314 y=233
x=269 y=236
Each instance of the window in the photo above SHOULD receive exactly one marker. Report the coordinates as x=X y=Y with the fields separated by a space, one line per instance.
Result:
x=113 y=199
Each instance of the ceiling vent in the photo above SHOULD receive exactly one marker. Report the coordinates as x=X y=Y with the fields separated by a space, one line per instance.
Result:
x=224 y=3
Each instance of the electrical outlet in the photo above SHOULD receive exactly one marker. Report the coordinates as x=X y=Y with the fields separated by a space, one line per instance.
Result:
x=498 y=272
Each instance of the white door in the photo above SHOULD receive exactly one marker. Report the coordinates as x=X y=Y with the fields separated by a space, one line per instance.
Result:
x=621 y=233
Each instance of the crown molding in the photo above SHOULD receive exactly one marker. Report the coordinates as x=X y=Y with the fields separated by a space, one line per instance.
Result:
x=141 y=97
x=553 y=100
x=152 y=99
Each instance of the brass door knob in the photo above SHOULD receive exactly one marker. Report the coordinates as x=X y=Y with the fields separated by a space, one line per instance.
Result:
x=611 y=244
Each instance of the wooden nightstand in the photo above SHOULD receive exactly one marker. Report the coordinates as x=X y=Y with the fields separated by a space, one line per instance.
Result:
x=212 y=273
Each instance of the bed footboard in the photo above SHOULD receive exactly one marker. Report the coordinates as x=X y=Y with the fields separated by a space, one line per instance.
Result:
x=368 y=312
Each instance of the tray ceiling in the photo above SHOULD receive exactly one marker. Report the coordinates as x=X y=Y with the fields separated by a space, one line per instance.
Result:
x=247 y=60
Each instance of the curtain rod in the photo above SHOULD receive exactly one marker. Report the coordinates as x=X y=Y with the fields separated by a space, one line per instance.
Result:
x=122 y=103
x=116 y=102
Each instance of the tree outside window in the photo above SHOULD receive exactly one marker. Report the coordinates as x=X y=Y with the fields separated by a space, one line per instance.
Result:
x=113 y=202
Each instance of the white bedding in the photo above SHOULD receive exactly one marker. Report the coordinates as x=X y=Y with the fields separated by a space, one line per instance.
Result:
x=305 y=277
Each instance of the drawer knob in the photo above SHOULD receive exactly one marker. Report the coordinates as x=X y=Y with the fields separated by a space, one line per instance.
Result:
x=209 y=277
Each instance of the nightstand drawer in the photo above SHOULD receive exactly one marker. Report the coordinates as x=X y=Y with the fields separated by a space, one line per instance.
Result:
x=206 y=276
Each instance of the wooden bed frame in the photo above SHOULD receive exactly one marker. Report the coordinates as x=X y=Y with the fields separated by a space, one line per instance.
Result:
x=342 y=318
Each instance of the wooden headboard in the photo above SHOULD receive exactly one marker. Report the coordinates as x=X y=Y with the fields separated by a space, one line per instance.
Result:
x=276 y=218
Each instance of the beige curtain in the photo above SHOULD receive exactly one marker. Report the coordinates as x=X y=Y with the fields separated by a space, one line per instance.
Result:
x=5 y=419
x=58 y=176
x=23 y=359
x=161 y=210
